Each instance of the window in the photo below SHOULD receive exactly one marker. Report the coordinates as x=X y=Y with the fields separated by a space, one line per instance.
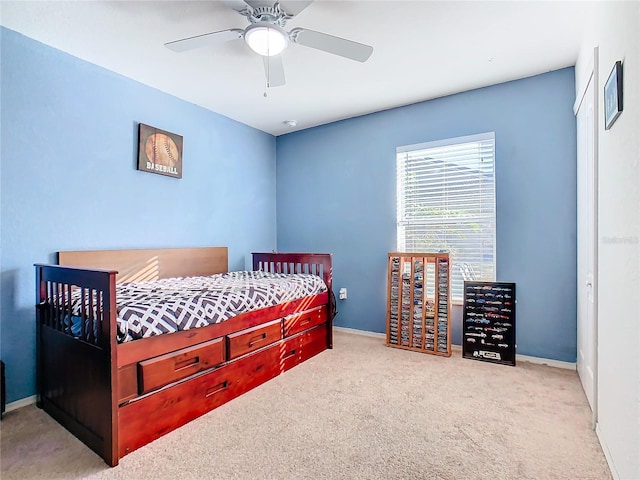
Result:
x=446 y=201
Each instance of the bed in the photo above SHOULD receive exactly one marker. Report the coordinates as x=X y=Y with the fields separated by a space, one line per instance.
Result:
x=117 y=383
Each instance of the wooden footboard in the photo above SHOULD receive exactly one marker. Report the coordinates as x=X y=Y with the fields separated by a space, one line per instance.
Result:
x=77 y=354
x=119 y=397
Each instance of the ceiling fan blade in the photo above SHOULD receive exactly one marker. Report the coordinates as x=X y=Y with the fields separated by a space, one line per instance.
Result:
x=329 y=43
x=294 y=7
x=274 y=71
x=260 y=3
x=237 y=5
x=204 y=40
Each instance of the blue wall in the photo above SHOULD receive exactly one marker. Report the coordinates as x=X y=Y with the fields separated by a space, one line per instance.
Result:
x=351 y=208
x=68 y=178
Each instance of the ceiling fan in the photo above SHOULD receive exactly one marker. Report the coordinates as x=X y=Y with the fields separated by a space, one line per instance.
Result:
x=266 y=35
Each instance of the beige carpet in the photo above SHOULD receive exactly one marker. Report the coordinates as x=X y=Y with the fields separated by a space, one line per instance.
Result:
x=359 y=411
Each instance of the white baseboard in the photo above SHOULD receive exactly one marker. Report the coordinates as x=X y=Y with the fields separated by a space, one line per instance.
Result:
x=360 y=332
x=607 y=453
x=521 y=358
x=547 y=361
x=23 y=402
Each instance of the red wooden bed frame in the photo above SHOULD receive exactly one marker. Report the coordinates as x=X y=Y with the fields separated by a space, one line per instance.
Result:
x=118 y=397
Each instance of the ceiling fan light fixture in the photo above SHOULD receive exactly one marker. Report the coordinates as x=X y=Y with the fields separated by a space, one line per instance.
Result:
x=266 y=39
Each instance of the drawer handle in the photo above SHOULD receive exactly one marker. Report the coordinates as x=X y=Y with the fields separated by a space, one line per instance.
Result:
x=289 y=354
x=305 y=321
x=216 y=389
x=186 y=363
x=257 y=339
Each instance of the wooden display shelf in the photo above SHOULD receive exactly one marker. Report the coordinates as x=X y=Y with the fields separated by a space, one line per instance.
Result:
x=419 y=303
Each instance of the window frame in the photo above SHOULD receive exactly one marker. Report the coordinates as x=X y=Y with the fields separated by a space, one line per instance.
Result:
x=450 y=142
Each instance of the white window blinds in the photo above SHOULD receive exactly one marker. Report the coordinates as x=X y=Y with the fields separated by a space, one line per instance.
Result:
x=446 y=201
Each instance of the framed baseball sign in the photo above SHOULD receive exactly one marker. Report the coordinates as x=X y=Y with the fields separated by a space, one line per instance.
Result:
x=159 y=151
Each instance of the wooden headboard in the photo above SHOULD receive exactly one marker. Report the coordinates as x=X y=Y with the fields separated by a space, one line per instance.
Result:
x=139 y=265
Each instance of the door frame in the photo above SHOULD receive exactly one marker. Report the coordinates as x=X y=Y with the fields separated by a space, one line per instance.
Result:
x=591 y=75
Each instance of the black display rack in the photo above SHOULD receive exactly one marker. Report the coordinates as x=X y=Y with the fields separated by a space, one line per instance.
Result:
x=489 y=322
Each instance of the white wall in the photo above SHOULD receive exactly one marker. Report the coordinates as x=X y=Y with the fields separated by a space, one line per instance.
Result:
x=615 y=29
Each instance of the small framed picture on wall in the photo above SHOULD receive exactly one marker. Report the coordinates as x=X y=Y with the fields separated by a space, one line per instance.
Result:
x=159 y=151
x=613 y=96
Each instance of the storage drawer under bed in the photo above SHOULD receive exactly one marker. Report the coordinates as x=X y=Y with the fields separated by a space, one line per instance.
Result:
x=302 y=347
x=252 y=339
x=150 y=417
x=170 y=367
x=303 y=321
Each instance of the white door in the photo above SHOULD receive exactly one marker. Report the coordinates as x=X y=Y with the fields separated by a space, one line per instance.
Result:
x=587 y=244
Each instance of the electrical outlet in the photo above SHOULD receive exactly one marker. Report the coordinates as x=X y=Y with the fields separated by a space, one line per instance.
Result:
x=343 y=294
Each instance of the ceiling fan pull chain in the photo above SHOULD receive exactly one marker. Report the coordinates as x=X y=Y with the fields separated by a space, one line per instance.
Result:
x=266 y=81
x=266 y=87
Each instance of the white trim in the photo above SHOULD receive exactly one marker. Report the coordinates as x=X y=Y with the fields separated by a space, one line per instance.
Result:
x=591 y=75
x=447 y=141
x=585 y=84
x=547 y=361
x=580 y=98
x=607 y=454
x=596 y=221
x=522 y=358
x=364 y=333
x=21 y=403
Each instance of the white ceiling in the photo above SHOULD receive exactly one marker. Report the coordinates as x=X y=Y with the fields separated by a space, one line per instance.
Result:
x=422 y=50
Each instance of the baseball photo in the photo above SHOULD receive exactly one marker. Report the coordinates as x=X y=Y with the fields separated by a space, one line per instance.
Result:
x=159 y=151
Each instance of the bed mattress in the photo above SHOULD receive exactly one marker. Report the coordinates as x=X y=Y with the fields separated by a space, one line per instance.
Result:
x=169 y=305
